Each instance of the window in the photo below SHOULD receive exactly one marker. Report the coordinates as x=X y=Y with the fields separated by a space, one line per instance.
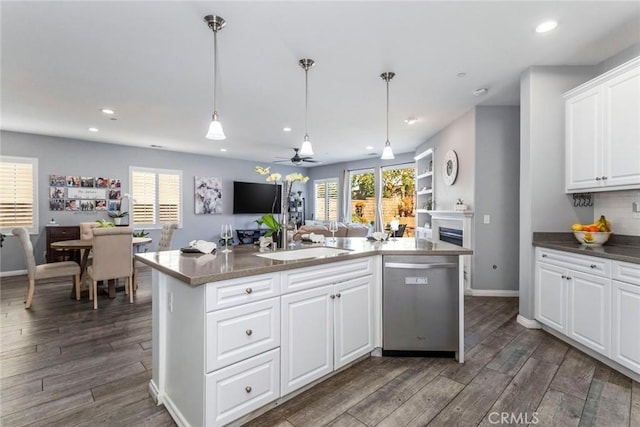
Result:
x=362 y=198
x=326 y=199
x=156 y=195
x=18 y=193
x=398 y=192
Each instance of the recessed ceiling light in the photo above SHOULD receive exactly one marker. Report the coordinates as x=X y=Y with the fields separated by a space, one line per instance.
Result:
x=461 y=75
x=223 y=150
x=368 y=147
x=93 y=129
x=546 y=26
x=286 y=129
x=480 y=92
x=410 y=120
x=108 y=111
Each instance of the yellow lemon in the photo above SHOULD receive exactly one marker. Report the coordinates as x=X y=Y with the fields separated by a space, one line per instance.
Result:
x=576 y=227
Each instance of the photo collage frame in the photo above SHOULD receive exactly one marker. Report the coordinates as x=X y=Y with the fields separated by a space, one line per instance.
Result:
x=74 y=193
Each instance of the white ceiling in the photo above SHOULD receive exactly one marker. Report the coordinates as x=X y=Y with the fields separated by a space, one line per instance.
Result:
x=152 y=61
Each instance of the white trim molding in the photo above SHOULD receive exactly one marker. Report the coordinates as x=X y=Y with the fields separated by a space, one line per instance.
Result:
x=528 y=323
x=13 y=273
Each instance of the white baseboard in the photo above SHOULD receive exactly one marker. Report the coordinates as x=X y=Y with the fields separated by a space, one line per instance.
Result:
x=491 y=293
x=153 y=391
x=528 y=323
x=12 y=273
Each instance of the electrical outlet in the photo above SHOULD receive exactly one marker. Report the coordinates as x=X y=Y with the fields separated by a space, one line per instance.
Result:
x=487 y=219
x=170 y=302
x=635 y=210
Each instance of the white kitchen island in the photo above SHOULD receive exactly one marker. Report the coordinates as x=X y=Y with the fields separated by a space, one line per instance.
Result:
x=235 y=334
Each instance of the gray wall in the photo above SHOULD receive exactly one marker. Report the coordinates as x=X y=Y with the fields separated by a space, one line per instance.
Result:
x=543 y=204
x=73 y=157
x=497 y=171
x=458 y=136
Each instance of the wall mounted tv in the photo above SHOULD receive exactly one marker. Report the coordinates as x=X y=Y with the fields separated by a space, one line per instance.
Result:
x=253 y=198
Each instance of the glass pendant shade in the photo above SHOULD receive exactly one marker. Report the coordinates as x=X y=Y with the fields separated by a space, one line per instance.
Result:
x=387 y=153
x=306 y=149
x=215 y=129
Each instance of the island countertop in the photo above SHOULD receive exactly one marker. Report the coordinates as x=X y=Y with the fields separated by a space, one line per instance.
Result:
x=198 y=269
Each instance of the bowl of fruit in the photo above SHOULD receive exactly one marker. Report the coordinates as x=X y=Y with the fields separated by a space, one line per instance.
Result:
x=595 y=234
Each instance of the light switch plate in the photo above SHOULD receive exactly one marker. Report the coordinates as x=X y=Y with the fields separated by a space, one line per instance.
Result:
x=487 y=219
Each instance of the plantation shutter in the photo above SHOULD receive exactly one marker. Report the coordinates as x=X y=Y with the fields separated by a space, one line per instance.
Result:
x=326 y=198
x=18 y=192
x=168 y=198
x=143 y=190
x=332 y=200
x=320 y=205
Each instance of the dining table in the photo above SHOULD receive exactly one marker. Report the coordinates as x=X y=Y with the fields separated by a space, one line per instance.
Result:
x=85 y=246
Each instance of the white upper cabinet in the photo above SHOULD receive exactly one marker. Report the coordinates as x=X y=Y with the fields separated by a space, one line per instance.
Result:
x=603 y=131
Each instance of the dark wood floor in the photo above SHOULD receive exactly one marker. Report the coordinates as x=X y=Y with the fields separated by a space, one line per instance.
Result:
x=64 y=364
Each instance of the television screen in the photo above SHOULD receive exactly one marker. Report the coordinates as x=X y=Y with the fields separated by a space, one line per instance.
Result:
x=253 y=198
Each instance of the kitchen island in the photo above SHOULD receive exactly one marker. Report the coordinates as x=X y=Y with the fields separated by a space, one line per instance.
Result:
x=236 y=333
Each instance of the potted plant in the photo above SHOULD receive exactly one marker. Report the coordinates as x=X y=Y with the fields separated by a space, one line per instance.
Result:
x=117 y=216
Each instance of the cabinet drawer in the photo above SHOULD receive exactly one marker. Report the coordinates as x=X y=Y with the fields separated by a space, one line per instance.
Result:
x=311 y=277
x=626 y=272
x=585 y=264
x=230 y=293
x=57 y=234
x=244 y=387
x=241 y=332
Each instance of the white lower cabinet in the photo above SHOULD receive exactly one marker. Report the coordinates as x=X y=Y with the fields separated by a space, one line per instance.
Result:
x=324 y=329
x=589 y=310
x=593 y=301
x=625 y=297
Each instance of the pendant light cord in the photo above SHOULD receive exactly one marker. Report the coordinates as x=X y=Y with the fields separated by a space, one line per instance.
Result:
x=306 y=101
x=387 y=110
x=215 y=68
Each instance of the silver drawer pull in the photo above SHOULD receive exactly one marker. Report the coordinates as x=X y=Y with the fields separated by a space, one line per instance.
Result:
x=593 y=266
x=563 y=276
x=247 y=389
x=248 y=290
x=248 y=331
x=332 y=296
x=604 y=178
x=544 y=255
x=568 y=277
x=412 y=266
x=598 y=178
x=338 y=294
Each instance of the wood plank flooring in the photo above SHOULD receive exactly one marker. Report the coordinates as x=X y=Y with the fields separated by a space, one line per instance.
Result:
x=64 y=364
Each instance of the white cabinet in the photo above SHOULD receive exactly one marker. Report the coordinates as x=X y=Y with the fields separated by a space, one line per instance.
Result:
x=572 y=295
x=325 y=328
x=603 y=132
x=425 y=191
x=625 y=296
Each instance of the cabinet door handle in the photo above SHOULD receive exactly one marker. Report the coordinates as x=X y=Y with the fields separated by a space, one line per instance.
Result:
x=593 y=266
x=248 y=389
x=563 y=276
x=338 y=294
x=332 y=296
x=544 y=255
x=604 y=178
x=248 y=290
x=598 y=178
x=248 y=332
x=568 y=277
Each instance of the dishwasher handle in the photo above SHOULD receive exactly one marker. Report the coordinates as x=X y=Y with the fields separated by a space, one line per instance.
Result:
x=411 y=266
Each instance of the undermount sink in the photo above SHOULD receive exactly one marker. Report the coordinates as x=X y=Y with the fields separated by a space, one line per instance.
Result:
x=319 y=252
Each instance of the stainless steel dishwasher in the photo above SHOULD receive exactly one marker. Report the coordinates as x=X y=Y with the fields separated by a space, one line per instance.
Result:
x=420 y=305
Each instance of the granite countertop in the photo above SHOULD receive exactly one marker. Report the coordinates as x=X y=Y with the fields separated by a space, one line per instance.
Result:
x=619 y=247
x=197 y=269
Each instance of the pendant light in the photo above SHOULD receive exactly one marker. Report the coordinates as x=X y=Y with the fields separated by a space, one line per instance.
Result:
x=387 y=153
x=216 y=23
x=306 y=149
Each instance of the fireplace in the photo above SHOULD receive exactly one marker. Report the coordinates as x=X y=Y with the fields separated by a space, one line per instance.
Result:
x=451 y=235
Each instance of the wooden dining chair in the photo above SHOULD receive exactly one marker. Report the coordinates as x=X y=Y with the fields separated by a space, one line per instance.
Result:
x=44 y=271
x=400 y=231
x=112 y=256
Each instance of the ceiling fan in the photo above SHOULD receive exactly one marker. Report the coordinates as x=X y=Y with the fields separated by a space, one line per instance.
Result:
x=297 y=159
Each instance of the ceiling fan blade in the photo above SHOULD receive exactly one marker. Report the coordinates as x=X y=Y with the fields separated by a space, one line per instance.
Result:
x=310 y=160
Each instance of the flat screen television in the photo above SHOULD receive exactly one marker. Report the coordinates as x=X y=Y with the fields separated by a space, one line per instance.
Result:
x=254 y=198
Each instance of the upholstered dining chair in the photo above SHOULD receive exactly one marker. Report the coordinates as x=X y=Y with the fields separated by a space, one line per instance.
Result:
x=112 y=256
x=44 y=271
x=86 y=230
x=166 y=236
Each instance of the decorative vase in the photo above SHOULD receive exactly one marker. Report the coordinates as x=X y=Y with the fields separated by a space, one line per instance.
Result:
x=282 y=238
x=117 y=221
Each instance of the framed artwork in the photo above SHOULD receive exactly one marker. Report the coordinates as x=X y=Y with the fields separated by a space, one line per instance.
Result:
x=73 y=181
x=114 y=205
x=56 y=204
x=56 y=192
x=102 y=182
x=114 y=183
x=86 y=181
x=208 y=195
x=450 y=169
x=72 y=205
x=101 y=205
x=57 y=180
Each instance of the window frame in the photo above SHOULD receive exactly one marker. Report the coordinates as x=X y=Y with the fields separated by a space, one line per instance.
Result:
x=33 y=161
x=325 y=182
x=156 y=172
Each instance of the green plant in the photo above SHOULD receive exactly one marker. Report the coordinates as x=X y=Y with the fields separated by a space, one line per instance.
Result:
x=118 y=214
x=272 y=224
x=140 y=233
x=104 y=224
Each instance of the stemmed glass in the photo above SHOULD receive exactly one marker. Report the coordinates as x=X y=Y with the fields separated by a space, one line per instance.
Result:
x=333 y=227
x=226 y=233
x=394 y=225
